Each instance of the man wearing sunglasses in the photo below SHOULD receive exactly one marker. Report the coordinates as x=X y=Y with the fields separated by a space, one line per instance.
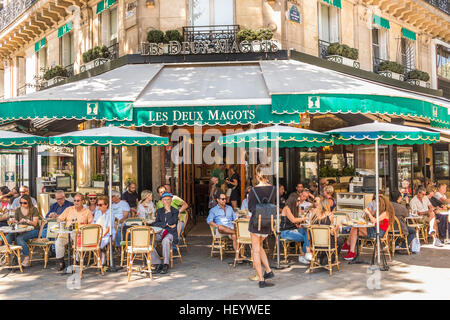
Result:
x=221 y=217
x=56 y=209
x=23 y=190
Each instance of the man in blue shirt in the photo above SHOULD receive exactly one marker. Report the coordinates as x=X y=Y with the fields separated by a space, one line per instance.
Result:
x=57 y=208
x=222 y=216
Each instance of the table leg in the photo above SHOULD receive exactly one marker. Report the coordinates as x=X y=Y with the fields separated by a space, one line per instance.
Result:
x=69 y=268
x=357 y=260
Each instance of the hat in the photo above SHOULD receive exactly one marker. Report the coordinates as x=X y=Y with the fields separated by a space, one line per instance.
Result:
x=92 y=194
x=166 y=194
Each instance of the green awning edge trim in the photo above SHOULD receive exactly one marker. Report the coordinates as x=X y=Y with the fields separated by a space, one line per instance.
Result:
x=104 y=4
x=24 y=142
x=379 y=21
x=64 y=29
x=267 y=140
x=206 y=115
x=390 y=138
x=360 y=103
x=409 y=34
x=336 y=3
x=40 y=44
x=104 y=141
x=66 y=109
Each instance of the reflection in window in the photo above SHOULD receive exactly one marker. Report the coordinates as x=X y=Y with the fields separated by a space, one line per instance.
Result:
x=443 y=61
x=212 y=12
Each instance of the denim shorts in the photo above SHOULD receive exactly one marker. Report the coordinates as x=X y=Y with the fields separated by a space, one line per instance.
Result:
x=372 y=232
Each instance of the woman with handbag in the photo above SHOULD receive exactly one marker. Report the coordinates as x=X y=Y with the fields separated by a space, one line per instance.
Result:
x=265 y=192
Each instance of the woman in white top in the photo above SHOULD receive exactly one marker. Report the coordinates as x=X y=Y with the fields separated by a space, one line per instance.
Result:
x=146 y=208
x=441 y=194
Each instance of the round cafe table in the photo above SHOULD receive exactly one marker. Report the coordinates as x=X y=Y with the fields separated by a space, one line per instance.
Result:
x=69 y=232
x=8 y=229
x=357 y=259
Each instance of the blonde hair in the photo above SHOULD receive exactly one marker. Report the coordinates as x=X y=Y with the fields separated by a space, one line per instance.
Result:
x=329 y=189
x=319 y=214
x=261 y=170
x=145 y=194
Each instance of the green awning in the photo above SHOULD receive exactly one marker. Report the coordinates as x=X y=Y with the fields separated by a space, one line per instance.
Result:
x=409 y=34
x=379 y=21
x=206 y=115
x=104 y=4
x=360 y=103
x=64 y=29
x=65 y=109
x=39 y=45
x=336 y=3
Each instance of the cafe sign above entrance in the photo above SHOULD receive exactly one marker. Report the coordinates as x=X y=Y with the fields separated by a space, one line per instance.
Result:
x=209 y=47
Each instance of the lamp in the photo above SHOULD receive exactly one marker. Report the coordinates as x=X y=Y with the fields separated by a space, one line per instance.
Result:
x=150 y=3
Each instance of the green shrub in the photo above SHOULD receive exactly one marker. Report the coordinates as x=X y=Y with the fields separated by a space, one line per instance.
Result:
x=348 y=171
x=173 y=35
x=342 y=50
x=155 y=36
x=264 y=34
x=98 y=177
x=246 y=34
x=95 y=53
x=418 y=74
x=391 y=66
x=56 y=71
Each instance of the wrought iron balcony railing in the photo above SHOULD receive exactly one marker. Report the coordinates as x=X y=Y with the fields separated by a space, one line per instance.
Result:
x=70 y=71
x=13 y=10
x=323 y=48
x=211 y=33
x=442 y=5
x=376 y=63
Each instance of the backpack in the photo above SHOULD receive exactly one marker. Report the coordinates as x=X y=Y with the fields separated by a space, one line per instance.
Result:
x=262 y=218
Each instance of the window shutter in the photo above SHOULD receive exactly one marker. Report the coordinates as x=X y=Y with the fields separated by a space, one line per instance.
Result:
x=383 y=38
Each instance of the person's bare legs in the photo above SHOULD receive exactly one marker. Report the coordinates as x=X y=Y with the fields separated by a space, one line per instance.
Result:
x=354 y=236
x=225 y=230
x=256 y=250
x=263 y=255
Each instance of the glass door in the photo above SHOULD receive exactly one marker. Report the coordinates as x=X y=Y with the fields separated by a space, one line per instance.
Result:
x=405 y=169
x=308 y=166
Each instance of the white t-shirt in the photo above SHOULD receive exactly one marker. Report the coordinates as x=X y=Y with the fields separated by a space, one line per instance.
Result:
x=420 y=206
x=305 y=204
x=119 y=208
x=144 y=211
x=438 y=196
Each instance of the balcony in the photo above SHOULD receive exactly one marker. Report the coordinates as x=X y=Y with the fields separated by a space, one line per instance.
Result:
x=442 y=5
x=13 y=10
x=211 y=33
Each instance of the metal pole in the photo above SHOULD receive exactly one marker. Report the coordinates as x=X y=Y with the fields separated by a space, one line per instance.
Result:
x=110 y=209
x=277 y=158
x=377 y=201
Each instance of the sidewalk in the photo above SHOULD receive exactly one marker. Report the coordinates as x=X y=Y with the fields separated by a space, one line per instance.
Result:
x=424 y=276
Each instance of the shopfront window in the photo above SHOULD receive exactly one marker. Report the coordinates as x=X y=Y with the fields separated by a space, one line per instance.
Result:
x=441 y=163
x=53 y=163
x=365 y=166
x=14 y=167
x=443 y=61
x=404 y=169
x=212 y=12
x=308 y=166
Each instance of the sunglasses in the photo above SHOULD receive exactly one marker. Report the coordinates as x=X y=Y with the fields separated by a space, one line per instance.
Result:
x=222 y=198
x=23 y=202
x=101 y=205
x=92 y=198
x=76 y=200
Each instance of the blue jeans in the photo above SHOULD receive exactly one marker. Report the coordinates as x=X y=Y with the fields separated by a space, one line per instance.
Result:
x=297 y=235
x=118 y=236
x=372 y=232
x=22 y=238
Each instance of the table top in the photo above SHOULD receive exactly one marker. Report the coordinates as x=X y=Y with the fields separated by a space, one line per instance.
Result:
x=357 y=225
x=61 y=231
x=20 y=230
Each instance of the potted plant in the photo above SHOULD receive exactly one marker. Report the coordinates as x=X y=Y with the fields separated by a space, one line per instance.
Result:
x=55 y=75
x=155 y=36
x=171 y=35
x=418 y=78
x=245 y=38
x=98 y=181
x=343 y=54
x=392 y=70
x=94 y=57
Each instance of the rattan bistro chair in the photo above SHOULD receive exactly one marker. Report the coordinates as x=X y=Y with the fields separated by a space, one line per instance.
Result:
x=177 y=247
x=142 y=243
x=6 y=250
x=44 y=243
x=286 y=246
x=183 y=217
x=243 y=238
x=340 y=218
x=395 y=233
x=123 y=244
x=87 y=240
x=219 y=242
x=320 y=241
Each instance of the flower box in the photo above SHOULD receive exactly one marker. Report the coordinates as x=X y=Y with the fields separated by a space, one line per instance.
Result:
x=417 y=82
x=92 y=64
x=344 y=60
x=393 y=75
x=53 y=81
x=98 y=184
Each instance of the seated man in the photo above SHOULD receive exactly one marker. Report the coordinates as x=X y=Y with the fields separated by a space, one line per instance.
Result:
x=132 y=198
x=23 y=190
x=441 y=195
x=304 y=205
x=76 y=213
x=401 y=212
x=422 y=206
x=177 y=202
x=57 y=208
x=222 y=216
x=167 y=219
x=120 y=210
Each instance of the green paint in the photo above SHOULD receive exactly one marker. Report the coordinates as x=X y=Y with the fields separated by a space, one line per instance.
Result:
x=379 y=21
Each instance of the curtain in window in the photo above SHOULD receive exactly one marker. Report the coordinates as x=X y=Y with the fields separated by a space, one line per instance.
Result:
x=113 y=26
x=383 y=41
x=324 y=23
x=200 y=12
x=223 y=12
x=334 y=24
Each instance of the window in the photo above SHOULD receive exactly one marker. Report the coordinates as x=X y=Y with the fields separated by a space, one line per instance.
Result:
x=380 y=43
x=408 y=54
x=441 y=162
x=211 y=12
x=66 y=49
x=443 y=61
x=42 y=60
x=328 y=23
x=108 y=27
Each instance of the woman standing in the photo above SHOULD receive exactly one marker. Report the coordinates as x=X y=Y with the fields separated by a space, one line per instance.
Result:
x=233 y=184
x=146 y=208
x=26 y=214
x=263 y=190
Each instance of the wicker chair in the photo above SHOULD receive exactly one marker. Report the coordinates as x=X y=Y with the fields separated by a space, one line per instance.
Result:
x=142 y=243
x=286 y=245
x=395 y=233
x=365 y=241
x=219 y=242
x=123 y=244
x=420 y=226
x=320 y=241
x=6 y=250
x=43 y=243
x=87 y=240
x=243 y=238
x=177 y=246
x=339 y=219
x=183 y=217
